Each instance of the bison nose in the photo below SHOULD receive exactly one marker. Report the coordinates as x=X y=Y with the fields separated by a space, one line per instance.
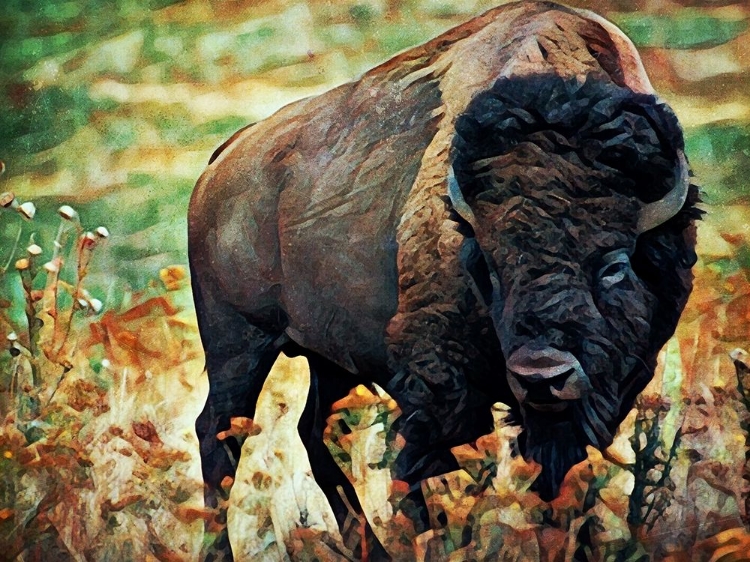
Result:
x=545 y=377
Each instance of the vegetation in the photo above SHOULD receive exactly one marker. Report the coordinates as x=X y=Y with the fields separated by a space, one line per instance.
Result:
x=76 y=433
x=110 y=110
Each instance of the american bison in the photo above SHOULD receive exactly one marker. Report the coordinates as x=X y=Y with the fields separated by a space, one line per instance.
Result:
x=501 y=214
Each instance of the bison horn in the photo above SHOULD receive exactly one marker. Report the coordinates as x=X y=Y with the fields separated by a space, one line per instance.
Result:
x=659 y=212
x=457 y=200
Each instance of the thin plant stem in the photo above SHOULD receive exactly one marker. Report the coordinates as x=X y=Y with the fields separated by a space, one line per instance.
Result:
x=55 y=282
x=85 y=249
x=66 y=370
x=14 y=381
x=13 y=250
x=26 y=278
x=58 y=244
x=32 y=325
x=74 y=304
x=52 y=283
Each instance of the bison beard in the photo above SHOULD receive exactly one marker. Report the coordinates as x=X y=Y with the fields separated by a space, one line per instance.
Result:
x=501 y=215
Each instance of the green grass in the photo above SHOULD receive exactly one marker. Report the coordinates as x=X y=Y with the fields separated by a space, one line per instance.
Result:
x=53 y=124
x=720 y=156
x=688 y=29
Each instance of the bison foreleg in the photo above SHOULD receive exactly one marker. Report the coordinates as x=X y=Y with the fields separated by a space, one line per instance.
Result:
x=329 y=383
x=439 y=409
x=326 y=387
x=425 y=409
x=239 y=356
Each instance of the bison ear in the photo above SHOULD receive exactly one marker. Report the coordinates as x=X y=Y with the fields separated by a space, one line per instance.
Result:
x=458 y=202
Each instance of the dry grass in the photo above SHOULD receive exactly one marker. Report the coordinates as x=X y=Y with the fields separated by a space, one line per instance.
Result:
x=100 y=458
x=97 y=455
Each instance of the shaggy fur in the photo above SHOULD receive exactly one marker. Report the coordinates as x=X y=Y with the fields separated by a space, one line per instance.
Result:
x=327 y=230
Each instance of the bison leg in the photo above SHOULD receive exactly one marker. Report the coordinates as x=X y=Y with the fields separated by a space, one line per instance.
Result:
x=439 y=408
x=329 y=383
x=434 y=418
x=425 y=452
x=239 y=356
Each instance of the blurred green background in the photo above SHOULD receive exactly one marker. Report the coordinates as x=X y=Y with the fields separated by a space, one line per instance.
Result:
x=115 y=106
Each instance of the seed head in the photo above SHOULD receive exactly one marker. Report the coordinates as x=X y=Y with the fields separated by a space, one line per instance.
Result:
x=88 y=240
x=67 y=212
x=51 y=267
x=22 y=264
x=738 y=354
x=34 y=250
x=7 y=199
x=12 y=337
x=28 y=210
x=96 y=305
x=102 y=232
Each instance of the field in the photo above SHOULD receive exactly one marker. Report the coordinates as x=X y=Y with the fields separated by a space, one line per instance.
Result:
x=109 y=112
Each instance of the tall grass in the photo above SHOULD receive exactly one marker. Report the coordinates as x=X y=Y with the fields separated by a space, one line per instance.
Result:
x=90 y=469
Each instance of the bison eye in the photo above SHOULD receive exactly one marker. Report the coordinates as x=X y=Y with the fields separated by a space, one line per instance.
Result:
x=615 y=269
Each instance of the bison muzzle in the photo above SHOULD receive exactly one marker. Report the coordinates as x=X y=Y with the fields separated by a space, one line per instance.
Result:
x=502 y=214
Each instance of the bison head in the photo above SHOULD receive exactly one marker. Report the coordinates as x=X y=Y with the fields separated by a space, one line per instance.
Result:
x=578 y=195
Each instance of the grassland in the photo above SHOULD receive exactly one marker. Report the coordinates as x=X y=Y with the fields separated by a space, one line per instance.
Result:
x=113 y=109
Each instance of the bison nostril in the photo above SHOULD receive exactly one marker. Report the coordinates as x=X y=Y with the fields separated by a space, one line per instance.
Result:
x=558 y=383
x=535 y=383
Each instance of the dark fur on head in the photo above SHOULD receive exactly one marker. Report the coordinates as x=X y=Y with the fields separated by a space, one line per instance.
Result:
x=627 y=137
x=555 y=171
